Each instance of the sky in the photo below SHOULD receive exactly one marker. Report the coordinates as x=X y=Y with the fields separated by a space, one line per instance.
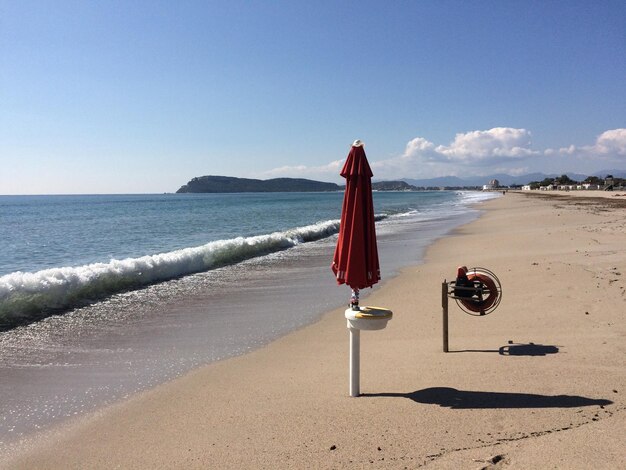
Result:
x=141 y=96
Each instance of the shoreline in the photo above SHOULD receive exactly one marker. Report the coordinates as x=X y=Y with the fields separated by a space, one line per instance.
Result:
x=287 y=404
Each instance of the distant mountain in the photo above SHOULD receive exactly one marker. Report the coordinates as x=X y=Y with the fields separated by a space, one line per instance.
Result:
x=504 y=179
x=615 y=173
x=229 y=184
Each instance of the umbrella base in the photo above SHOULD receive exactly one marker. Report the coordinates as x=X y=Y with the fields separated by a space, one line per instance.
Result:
x=368 y=318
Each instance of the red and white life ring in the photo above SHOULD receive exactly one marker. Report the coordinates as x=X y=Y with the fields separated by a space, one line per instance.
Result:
x=476 y=305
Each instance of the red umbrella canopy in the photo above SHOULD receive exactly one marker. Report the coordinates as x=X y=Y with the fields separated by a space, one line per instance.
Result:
x=356 y=256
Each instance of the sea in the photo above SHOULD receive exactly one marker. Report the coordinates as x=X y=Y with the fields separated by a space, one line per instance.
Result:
x=103 y=296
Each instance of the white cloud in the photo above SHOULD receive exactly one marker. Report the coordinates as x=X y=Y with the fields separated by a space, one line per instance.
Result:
x=497 y=143
x=417 y=146
x=571 y=150
x=611 y=142
x=609 y=146
x=322 y=172
x=475 y=152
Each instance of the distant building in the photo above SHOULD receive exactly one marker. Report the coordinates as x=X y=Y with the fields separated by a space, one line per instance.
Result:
x=493 y=184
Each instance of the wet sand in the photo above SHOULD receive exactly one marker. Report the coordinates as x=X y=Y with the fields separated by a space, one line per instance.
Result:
x=539 y=383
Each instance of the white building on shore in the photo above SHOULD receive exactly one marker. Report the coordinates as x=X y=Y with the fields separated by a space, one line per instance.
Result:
x=493 y=184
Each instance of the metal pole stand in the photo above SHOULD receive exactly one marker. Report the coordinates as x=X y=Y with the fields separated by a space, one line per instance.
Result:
x=367 y=318
x=479 y=294
x=444 y=311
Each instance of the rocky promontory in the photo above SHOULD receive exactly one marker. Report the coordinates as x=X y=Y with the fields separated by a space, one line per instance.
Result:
x=229 y=184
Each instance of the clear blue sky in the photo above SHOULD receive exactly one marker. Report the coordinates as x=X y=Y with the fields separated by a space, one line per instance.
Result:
x=141 y=96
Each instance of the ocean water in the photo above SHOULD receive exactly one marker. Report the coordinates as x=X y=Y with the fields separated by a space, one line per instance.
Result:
x=104 y=296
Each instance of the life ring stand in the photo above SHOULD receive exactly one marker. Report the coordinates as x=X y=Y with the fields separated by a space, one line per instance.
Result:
x=486 y=293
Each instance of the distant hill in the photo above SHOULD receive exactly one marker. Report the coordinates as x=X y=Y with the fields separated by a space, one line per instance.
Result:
x=229 y=184
x=393 y=186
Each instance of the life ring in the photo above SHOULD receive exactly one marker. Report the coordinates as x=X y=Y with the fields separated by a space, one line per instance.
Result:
x=476 y=305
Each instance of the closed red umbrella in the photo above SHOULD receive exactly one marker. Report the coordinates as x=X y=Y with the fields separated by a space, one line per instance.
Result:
x=356 y=256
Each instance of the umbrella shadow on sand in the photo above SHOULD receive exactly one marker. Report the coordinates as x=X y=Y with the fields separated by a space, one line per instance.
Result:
x=467 y=399
x=517 y=349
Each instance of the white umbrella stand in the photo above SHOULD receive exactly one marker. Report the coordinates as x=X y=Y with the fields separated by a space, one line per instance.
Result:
x=366 y=318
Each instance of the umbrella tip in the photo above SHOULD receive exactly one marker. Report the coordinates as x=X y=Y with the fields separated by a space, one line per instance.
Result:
x=358 y=143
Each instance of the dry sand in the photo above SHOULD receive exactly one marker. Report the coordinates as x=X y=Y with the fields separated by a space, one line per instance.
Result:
x=539 y=383
x=584 y=194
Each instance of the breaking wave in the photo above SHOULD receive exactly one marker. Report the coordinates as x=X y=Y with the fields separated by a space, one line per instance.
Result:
x=26 y=297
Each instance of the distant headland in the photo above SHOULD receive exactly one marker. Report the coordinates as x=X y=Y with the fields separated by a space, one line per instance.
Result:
x=229 y=184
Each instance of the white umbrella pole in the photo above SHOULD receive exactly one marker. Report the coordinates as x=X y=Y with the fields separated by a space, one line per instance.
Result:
x=355 y=361
x=366 y=318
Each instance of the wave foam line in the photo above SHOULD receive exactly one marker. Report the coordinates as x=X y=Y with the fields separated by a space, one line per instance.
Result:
x=28 y=296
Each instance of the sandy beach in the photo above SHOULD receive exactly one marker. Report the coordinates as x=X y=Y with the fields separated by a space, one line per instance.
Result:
x=539 y=383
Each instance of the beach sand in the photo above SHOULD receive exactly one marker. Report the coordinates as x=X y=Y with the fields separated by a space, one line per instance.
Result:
x=539 y=383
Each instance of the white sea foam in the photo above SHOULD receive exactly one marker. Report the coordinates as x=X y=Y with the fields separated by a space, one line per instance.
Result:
x=469 y=197
x=28 y=295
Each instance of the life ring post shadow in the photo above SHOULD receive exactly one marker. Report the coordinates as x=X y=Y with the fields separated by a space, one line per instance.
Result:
x=477 y=291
